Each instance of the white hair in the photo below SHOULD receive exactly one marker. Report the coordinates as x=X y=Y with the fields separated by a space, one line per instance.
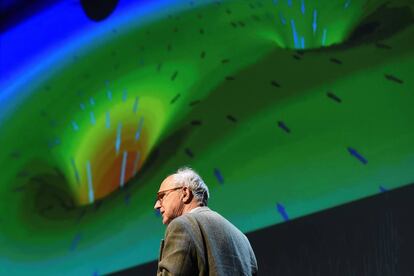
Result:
x=187 y=177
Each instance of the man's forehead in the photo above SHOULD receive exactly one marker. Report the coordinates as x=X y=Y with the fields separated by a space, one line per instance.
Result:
x=167 y=183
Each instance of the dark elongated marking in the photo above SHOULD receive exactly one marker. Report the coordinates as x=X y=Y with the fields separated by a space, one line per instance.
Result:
x=334 y=97
x=357 y=155
x=127 y=198
x=19 y=189
x=97 y=205
x=219 y=176
x=81 y=215
x=335 y=60
x=194 y=102
x=393 y=78
x=15 y=155
x=23 y=174
x=283 y=126
x=174 y=76
x=189 y=152
x=47 y=208
x=383 y=46
x=196 y=123
x=232 y=118
x=275 y=83
x=281 y=209
x=256 y=17
x=75 y=242
x=175 y=98
x=382 y=189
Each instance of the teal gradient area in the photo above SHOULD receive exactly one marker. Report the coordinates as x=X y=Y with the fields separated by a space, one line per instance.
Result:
x=279 y=129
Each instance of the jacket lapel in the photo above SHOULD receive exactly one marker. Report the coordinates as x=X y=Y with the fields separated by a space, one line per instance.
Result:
x=161 y=249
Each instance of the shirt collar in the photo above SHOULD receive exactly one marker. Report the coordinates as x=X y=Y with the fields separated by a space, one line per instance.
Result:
x=192 y=210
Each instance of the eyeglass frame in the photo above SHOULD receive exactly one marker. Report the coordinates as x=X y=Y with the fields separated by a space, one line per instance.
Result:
x=165 y=193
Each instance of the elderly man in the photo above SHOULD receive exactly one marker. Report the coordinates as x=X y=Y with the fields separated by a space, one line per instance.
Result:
x=198 y=241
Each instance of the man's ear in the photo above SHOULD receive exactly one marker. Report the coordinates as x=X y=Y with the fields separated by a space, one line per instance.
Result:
x=187 y=195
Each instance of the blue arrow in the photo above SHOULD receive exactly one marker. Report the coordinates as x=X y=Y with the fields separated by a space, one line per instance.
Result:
x=295 y=35
x=134 y=109
x=281 y=209
x=93 y=121
x=138 y=132
x=90 y=182
x=282 y=19
x=53 y=143
x=347 y=3
x=53 y=123
x=118 y=138
x=107 y=120
x=127 y=197
x=314 y=23
x=382 y=189
x=75 y=242
x=123 y=168
x=357 y=155
x=218 y=175
x=135 y=169
x=82 y=214
x=75 y=126
x=75 y=169
x=302 y=42
x=283 y=126
x=303 y=7
x=124 y=95
x=325 y=31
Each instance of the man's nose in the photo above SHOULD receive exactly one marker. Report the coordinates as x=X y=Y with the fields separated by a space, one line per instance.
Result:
x=157 y=205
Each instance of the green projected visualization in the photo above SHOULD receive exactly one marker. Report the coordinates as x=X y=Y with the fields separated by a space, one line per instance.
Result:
x=284 y=107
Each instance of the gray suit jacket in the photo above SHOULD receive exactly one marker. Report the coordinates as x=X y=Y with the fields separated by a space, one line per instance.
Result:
x=204 y=243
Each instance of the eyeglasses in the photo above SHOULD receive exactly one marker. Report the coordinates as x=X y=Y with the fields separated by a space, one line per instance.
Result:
x=161 y=194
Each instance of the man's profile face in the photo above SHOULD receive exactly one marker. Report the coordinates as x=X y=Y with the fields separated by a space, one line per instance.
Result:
x=170 y=204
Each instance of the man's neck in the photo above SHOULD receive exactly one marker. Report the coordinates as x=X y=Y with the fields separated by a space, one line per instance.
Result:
x=191 y=206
